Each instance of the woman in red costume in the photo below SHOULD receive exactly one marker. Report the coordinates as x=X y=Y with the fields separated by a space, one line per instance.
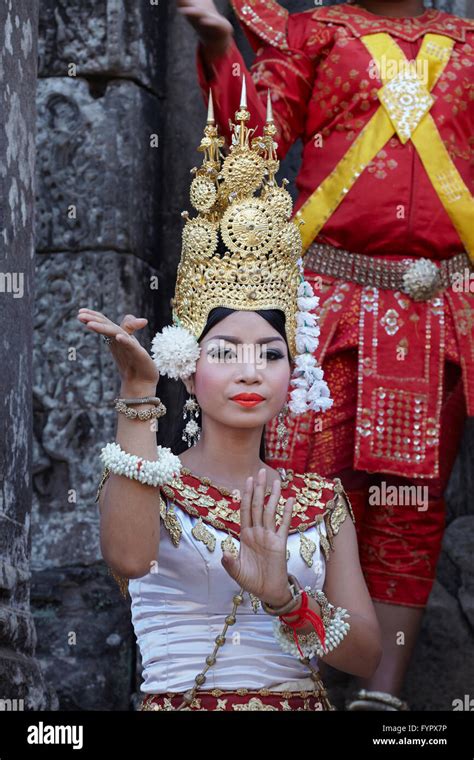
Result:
x=380 y=93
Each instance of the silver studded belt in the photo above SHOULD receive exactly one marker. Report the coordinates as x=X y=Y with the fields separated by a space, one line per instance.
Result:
x=421 y=279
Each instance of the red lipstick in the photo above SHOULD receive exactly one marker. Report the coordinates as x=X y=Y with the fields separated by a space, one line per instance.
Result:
x=248 y=399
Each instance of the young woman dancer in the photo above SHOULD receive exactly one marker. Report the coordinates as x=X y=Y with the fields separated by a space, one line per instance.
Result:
x=241 y=576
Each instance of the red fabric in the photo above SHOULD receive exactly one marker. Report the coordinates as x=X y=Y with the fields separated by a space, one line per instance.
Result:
x=398 y=545
x=304 y=614
x=317 y=70
x=230 y=701
x=296 y=485
x=421 y=372
x=402 y=349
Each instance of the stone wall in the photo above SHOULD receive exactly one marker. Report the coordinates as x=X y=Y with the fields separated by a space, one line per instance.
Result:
x=101 y=96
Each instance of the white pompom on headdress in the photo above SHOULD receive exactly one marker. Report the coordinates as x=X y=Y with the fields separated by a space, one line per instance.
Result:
x=175 y=352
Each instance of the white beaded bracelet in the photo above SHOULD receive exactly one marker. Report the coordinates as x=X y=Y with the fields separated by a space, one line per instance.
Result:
x=310 y=643
x=152 y=473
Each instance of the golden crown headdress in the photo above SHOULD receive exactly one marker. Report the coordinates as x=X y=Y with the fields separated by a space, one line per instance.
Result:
x=242 y=251
x=258 y=268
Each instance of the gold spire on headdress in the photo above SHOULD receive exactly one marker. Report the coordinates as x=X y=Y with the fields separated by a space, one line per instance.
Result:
x=259 y=267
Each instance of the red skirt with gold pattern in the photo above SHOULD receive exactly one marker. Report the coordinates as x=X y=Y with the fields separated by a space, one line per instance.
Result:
x=239 y=699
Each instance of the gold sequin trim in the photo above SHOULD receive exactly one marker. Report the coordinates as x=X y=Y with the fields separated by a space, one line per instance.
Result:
x=103 y=479
x=253 y=704
x=336 y=512
x=121 y=581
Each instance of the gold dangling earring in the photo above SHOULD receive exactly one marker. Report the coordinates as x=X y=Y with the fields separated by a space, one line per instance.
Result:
x=283 y=434
x=192 y=431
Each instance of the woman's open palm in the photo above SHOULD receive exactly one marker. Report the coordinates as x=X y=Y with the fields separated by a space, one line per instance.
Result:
x=134 y=363
x=260 y=568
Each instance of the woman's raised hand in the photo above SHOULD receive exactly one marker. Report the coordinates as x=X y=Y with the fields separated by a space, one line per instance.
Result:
x=260 y=567
x=213 y=29
x=134 y=363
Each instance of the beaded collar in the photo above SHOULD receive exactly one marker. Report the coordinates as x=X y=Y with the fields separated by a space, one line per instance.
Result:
x=317 y=500
x=286 y=476
x=314 y=500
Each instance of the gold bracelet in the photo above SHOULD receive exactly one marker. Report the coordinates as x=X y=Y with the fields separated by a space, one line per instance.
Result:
x=321 y=598
x=143 y=414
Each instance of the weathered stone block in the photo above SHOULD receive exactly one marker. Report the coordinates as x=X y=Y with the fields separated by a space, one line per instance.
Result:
x=86 y=644
x=75 y=382
x=104 y=38
x=97 y=168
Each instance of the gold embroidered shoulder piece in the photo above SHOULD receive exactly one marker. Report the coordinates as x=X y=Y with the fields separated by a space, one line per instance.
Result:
x=318 y=500
x=359 y=22
x=220 y=507
x=337 y=509
x=265 y=20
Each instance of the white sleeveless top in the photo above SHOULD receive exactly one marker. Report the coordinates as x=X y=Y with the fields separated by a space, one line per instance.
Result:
x=179 y=610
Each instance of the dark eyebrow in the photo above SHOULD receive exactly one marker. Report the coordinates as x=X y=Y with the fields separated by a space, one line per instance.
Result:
x=232 y=339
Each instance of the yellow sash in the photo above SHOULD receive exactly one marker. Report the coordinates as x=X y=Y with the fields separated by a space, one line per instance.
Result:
x=405 y=104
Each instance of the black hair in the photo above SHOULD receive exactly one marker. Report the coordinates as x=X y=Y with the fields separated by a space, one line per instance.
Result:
x=172 y=425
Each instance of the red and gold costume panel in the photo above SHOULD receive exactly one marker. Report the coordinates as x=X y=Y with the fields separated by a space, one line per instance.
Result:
x=401 y=371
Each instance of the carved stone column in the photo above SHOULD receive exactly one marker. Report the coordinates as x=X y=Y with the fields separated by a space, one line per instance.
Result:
x=22 y=685
x=100 y=142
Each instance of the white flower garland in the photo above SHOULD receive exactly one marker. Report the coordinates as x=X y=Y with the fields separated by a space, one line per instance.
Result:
x=175 y=352
x=310 y=388
x=309 y=642
x=152 y=473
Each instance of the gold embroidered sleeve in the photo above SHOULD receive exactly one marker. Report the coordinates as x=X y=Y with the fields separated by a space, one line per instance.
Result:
x=336 y=511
